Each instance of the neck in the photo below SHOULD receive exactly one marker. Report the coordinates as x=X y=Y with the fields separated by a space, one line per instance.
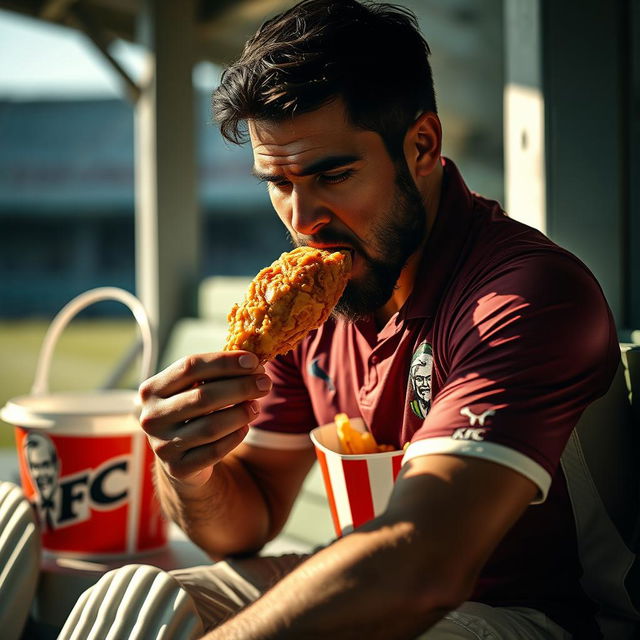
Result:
x=430 y=187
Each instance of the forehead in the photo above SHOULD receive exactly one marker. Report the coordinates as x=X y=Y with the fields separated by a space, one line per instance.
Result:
x=298 y=141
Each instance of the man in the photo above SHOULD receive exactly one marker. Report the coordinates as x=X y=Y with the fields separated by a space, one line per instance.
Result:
x=340 y=111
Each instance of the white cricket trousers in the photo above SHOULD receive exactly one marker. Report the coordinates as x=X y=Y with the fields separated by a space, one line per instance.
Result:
x=185 y=603
x=220 y=590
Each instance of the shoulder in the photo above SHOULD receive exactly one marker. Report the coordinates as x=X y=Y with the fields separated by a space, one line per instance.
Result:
x=508 y=262
x=527 y=300
x=546 y=284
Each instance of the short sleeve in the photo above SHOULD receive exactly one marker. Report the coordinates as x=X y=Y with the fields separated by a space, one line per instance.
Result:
x=286 y=414
x=526 y=352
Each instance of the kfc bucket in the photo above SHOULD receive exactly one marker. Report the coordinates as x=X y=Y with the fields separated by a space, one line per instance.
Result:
x=358 y=486
x=84 y=460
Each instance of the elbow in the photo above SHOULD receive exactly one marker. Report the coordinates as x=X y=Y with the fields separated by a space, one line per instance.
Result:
x=231 y=546
x=223 y=544
x=431 y=581
x=218 y=552
x=442 y=593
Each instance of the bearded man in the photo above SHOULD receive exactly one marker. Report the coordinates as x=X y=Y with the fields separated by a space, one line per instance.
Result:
x=478 y=539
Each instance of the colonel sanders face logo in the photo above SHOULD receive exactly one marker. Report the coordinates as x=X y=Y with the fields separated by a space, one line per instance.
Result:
x=44 y=468
x=420 y=379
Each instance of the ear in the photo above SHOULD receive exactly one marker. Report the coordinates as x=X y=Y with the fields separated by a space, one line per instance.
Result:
x=423 y=143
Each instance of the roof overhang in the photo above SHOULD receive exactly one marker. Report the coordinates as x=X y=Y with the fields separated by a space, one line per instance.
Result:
x=222 y=26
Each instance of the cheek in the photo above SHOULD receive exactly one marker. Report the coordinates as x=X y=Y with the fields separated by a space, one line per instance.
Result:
x=365 y=206
x=280 y=206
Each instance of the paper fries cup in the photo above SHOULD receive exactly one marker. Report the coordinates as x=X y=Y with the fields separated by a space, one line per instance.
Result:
x=358 y=486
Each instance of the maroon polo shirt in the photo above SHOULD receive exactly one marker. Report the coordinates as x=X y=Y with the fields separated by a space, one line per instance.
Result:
x=503 y=342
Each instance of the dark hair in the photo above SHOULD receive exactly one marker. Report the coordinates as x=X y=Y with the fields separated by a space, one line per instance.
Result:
x=370 y=55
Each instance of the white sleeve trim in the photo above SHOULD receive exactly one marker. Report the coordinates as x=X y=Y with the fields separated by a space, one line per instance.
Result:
x=274 y=440
x=488 y=451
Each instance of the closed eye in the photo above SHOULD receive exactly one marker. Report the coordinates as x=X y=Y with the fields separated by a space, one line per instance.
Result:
x=327 y=178
x=279 y=182
x=335 y=178
x=273 y=181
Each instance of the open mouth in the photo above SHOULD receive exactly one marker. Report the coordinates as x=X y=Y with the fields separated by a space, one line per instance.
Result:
x=352 y=254
x=349 y=250
x=325 y=246
x=338 y=247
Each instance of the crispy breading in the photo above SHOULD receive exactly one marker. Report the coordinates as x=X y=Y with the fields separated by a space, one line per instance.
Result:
x=287 y=300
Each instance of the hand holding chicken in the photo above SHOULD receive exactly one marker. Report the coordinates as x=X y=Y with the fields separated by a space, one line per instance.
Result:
x=197 y=410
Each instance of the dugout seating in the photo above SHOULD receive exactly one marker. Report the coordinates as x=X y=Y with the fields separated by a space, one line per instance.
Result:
x=606 y=498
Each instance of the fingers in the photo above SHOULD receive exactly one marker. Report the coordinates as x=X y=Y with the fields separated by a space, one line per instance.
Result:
x=175 y=443
x=196 y=410
x=209 y=454
x=204 y=441
x=191 y=370
x=159 y=414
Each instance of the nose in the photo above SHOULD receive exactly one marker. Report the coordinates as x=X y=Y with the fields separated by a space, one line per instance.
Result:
x=308 y=214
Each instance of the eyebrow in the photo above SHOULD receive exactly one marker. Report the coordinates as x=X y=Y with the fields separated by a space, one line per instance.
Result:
x=325 y=164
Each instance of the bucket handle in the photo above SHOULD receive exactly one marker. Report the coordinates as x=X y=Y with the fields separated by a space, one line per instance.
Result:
x=41 y=382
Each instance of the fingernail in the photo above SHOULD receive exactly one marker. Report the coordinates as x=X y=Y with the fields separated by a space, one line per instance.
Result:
x=254 y=407
x=248 y=361
x=263 y=383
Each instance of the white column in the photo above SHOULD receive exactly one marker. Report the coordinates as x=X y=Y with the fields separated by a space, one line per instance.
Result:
x=567 y=142
x=167 y=215
x=524 y=131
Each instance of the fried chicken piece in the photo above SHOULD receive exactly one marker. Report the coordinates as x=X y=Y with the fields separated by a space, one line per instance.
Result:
x=287 y=300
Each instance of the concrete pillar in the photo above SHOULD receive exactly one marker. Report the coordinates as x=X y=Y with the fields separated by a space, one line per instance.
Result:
x=567 y=132
x=167 y=215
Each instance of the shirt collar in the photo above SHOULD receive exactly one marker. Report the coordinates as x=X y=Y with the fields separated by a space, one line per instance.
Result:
x=444 y=245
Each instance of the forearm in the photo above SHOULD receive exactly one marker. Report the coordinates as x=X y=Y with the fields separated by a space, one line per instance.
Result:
x=397 y=575
x=226 y=515
x=366 y=585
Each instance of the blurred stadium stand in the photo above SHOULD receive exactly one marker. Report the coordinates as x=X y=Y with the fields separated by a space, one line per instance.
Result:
x=67 y=203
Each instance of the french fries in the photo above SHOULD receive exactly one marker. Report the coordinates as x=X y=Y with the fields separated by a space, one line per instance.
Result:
x=353 y=441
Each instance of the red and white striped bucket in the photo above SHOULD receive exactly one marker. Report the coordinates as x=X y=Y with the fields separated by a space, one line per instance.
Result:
x=85 y=462
x=358 y=486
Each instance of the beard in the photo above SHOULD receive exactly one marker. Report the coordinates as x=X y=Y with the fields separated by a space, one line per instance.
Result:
x=395 y=237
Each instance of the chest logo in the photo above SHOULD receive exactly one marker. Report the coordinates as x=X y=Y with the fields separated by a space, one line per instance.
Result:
x=474 y=417
x=420 y=371
x=318 y=372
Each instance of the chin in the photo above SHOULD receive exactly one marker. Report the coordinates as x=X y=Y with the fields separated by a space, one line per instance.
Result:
x=358 y=302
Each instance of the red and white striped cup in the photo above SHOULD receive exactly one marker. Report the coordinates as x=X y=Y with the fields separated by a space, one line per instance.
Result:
x=358 y=486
